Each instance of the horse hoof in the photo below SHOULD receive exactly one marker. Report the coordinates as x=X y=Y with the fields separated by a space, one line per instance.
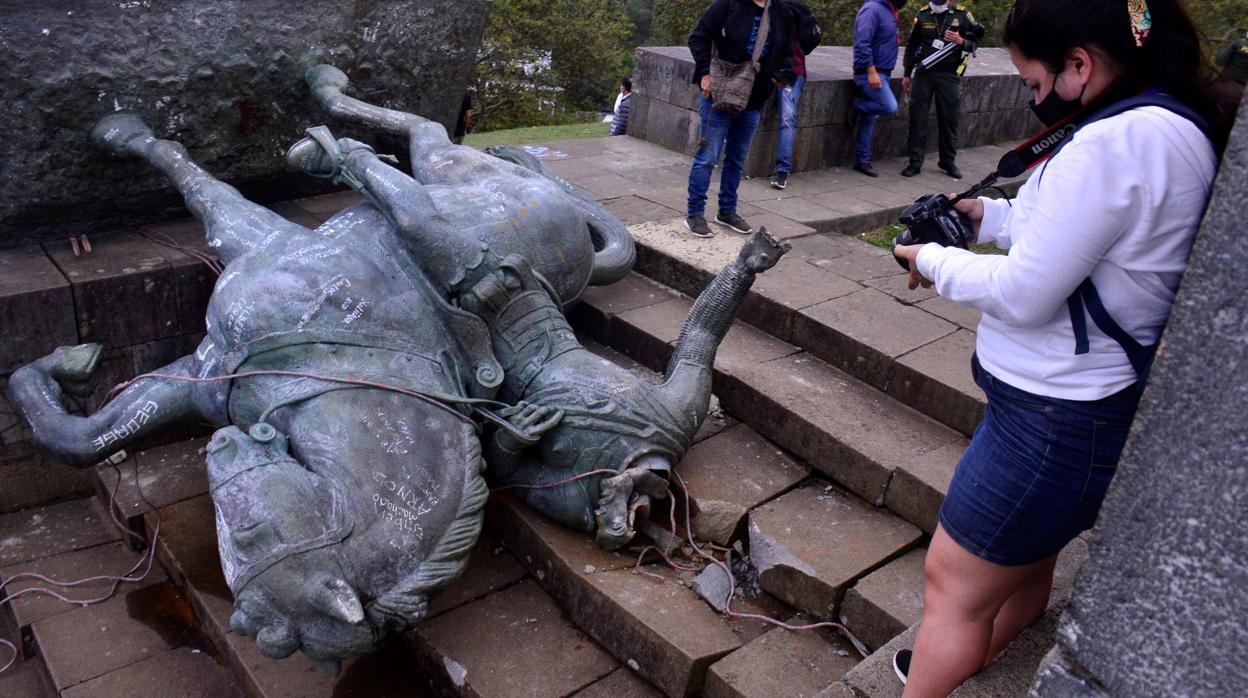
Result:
x=327 y=78
x=115 y=132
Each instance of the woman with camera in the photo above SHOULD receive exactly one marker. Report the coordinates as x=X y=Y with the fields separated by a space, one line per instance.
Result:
x=1104 y=226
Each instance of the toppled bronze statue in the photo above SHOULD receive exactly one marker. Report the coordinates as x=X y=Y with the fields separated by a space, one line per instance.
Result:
x=366 y=366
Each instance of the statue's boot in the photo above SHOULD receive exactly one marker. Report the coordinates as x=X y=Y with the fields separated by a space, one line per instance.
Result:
x=321 y=155
x=120 y=133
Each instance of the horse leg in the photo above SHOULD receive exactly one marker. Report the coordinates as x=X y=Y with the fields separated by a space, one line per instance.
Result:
x=142 y=408
x=232 y=224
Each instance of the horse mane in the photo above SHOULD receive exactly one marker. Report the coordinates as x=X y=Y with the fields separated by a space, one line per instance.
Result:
x=407 y=602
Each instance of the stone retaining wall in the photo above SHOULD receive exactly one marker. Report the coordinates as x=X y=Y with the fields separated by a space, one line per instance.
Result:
x=224 y=78
x=665 y=103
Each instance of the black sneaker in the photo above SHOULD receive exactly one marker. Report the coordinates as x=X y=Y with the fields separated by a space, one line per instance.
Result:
x=697 y=225
x=952 y=171
x=867 y=169
x=911 y=170
x=780 y=180
x=901 y=664
x=733 y=221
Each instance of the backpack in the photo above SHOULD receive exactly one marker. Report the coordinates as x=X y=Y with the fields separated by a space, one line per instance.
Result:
x=808 y=32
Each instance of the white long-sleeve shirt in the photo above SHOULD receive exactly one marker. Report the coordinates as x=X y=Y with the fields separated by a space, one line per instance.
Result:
x=1120 y=203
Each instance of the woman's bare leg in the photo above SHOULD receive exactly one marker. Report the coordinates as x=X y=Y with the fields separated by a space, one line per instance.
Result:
x=1024 y=606
x=962 y=598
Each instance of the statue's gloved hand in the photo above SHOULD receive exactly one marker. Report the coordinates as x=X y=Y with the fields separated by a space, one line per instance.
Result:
x=761 y=251
x=529 y=422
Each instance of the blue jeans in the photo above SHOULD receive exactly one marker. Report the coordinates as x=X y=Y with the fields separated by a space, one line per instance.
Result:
x=787 y=99
x=729 y=134
x=872 y=104
x=1035 y=473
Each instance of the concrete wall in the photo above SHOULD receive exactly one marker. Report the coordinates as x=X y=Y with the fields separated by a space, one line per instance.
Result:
x=224 y=77
x=1160 y=608
x=664 y=111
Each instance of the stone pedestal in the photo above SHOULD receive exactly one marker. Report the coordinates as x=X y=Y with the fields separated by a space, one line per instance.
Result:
x=224 y=78
x=1159 y=609
x=665 y=109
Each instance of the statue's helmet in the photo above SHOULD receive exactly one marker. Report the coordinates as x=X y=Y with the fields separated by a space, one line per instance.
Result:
x=276 y=523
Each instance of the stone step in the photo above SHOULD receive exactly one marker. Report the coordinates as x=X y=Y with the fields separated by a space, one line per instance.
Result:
x=834 y=296
x=876 y=447
x=782 y=663
x=1010 y=674
x=881 y=605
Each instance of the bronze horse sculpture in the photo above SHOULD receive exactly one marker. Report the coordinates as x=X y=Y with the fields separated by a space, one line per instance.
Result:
x=368 y=375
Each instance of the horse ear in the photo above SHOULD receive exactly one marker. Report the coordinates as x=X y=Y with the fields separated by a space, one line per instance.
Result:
x=336 y=598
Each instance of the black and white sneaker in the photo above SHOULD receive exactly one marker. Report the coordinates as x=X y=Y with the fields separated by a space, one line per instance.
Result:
x=780 y=180
x=733 y=221
x=697 y=225
x=901 y=664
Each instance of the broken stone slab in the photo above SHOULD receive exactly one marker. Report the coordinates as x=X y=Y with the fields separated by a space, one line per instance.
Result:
x=500 y=646
x=53 y=529
x=919 y=485
x=886 y=602
x=782 y=662
x=811 y=544
x=621 y=683
x=115 y=559
x=731 y=473
x=194 y=672
x=715 y=586
x=88 y=642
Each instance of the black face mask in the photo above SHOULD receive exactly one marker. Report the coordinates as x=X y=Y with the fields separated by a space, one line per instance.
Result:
x=1053 y=108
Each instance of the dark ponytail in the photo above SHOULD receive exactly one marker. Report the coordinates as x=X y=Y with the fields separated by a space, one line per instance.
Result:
x=1171 y=57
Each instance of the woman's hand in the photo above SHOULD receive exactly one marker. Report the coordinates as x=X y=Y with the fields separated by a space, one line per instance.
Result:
x=973 y=209
x=910 y=253
x=706 y=86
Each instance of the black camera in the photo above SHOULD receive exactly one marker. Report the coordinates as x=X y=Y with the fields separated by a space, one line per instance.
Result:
x=933 y=219
x=973 y=31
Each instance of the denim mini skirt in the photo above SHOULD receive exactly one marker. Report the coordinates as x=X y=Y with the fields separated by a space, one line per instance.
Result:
x=1035 y=473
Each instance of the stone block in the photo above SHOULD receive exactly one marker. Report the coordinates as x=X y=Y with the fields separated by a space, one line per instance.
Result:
x=860 y=264
x=36 y=307
x=187 y=545
x=600 y=304
x=323 y=207
x=792 y=285
x=125 y=291
x=919 y=485
x=88 y=642
x=50 y=530
x=155 y=478
x=1010 y=674
x=895 y=285
x=672 y=127
x=874 y=676
x=500 y=647
x=549 y=550
x=621 y=683
x=653 y=75
x=25 y=678
x=782 y=662
x=30 y=479
x=632 y=209
x=162 y=352
x=663 y=631
x=886 y=602
x=936 y=380
x=114 y=559
x=194 y=673
x=848 y=430
x=490 y=568
x=731 y=473
x=811 y=544
x=800 y=209
x=864 y=332
x=227 y=82
x=960 y=315
x=639 y=115
x=647 y=333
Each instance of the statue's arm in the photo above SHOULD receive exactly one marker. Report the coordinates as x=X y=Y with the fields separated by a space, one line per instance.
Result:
x=142 y=408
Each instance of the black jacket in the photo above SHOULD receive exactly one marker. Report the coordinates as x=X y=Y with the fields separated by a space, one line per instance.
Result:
x=730 y=24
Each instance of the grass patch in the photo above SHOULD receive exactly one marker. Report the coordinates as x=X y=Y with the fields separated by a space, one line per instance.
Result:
x=538 y=134
x=883 y=237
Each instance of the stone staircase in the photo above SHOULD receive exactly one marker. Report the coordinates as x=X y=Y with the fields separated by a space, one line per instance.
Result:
x=844 y=405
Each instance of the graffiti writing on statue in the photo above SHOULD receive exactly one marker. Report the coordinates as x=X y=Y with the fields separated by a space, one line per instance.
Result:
x=129 y=428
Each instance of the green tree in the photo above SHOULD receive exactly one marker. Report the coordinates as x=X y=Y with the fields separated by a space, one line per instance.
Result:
x=543 y=60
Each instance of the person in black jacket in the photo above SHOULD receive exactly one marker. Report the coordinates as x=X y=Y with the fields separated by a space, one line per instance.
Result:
x=732 y=26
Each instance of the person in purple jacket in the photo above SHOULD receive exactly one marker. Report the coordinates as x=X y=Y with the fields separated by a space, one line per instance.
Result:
x=875 y=55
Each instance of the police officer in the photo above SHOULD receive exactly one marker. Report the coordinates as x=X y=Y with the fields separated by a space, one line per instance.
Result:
x=937 y=28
